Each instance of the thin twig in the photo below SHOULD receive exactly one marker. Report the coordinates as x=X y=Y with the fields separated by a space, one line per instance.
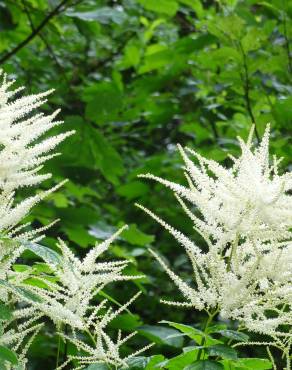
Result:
x=246 y=88
x=49 y=48
x=34 y=33
x=287 y=44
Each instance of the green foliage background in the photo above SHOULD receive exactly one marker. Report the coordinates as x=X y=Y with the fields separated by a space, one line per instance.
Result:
x=134 y=78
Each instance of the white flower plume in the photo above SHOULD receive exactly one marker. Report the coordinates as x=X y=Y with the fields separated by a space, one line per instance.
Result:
x=23 y=151
x=69 y=299
x=250 y=199
x=244 y=215
x=69 y=296
x=67 y=289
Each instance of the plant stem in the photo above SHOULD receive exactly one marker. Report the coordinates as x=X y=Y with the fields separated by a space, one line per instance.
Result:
x=59 y=349
x=246 y=88
x=271 y=358
x=207 y=324
x=288 y=359
x=287 y=45
x=91 y=337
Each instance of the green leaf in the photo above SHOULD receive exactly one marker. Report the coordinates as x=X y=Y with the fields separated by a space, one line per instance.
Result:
x=97 y=367
x=34 y=281
x=22 y=292
x=166 y=7
x=138 y=362
x=98 y=153
x=126 y=322
x=255 y=363
x=108 y=159
x=80 y=236
x=253 y=39
x=205 y=365
x=136 y=237
x=7 y=355
x=47 y=254
x=40 y=267
x=226 y=28
x=104 y=100
x=154 y=360
x=223 y=351
x=282 y=110
x=132 y=54
x=5 y=312
x=104 y=15
x=216 y=328
x=235 y=335
x=156 y=60
x=195 y=5
x=147 y=363
x=193 y=333
x=181 y=361
x=132 y=190
x=161 y=335
x=21 y=268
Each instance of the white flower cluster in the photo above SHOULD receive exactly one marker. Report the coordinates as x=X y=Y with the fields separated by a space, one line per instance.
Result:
x=68 y=297
x=23 y=152
x=66 y=290
x=18 y=333
x=244 y=213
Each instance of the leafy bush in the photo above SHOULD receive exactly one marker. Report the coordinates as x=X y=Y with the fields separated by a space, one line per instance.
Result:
x=134 y=78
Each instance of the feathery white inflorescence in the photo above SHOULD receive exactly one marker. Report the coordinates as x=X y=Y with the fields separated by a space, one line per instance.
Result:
x=250 y=198
x=67 y=292
x=68 y=296
x=244 y=214
x=23 y=150
x=69 y=299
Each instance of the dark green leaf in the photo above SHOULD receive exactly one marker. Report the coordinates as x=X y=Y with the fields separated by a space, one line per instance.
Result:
x=104 y=15
x=223 y=351
x=255 y=363
x=205 y=365
x=235 y=335
x=5 y=312
x=8 y=355
x=161 y=335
